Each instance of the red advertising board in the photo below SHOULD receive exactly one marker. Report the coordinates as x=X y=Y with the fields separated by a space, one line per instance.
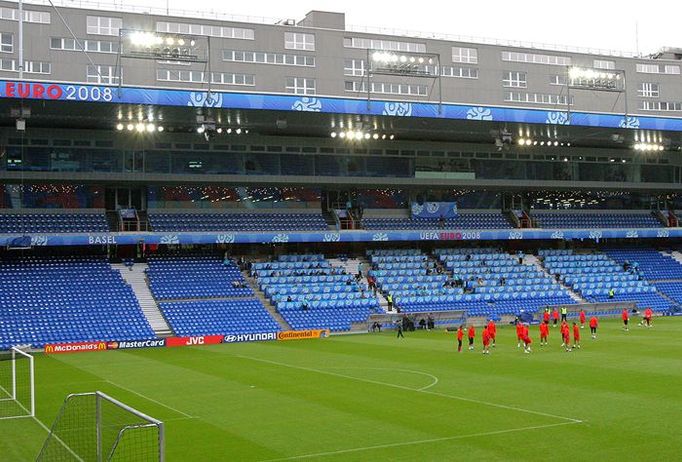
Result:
x=192 y=341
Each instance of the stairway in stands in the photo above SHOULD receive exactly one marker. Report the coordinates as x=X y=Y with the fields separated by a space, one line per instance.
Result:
x=533 y=260
x=260 y=295
x=136 y=278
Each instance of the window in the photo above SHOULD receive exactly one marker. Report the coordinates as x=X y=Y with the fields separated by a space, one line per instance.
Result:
x=387 y=88
x=604 y=64
x=648 y=90
x=93 y=46
x=261 y=57
x=102 y=25
x=663 y=106
x=205 y=29
x=299 y=41
x=102 y=74
x=459 y=72
x=514 y=79
x=536 y=98
x=354 y=67
x=37 y=67
x=657 y=69
x=233 y=79
x=178 y=75
x=37 y=17
x=8 y=65
x=388 y=45
x=557 y=79
x=6 y=42
x=536 y=59
x=464 y=55
x=300 y=85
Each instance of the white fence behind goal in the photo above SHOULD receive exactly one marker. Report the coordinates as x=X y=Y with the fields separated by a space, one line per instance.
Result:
x=96 y=427
x=17 y=384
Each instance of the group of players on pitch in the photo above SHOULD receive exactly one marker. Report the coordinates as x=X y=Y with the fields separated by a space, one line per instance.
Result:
x=489 y=334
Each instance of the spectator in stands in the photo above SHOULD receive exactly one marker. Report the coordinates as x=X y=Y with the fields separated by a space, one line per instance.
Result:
x=304 y=305
x=389 y=300
x=441 y=222
x=503 y=280
x=236 y=284
x=612 y=293
x=520 y=255
x=289 y=299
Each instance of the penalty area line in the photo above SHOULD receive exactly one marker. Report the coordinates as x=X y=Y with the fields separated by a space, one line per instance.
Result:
x=187 y=416
x=416 y=442
x=416 y=390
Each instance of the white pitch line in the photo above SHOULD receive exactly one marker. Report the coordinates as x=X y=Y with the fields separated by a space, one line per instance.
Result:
x=401 y=387
x=410 y=443
x=411 y=371
x=150 y=399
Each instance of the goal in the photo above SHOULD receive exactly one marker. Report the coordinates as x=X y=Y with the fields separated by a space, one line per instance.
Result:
x=96 y=427
x=17 y=384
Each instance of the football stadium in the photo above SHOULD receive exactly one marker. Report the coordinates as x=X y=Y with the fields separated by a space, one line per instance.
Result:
x=227 y=238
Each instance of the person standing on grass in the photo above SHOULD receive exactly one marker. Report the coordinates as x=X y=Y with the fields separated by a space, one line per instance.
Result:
x=576 y=336
x=485 y=337
x=519 y=333
x=471 y=334
x=544 y=332
x=581 y=316
x=648 y=313
x=526 y=339
x=564 y=313
x=565 y=336
x=399 y=326
x=626 y=317
x=594 y=323
x=460 y=336
x=555 y=316
x=492 y=331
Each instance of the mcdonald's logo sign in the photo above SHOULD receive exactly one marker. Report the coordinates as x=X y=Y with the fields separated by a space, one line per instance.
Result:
x=74 y=347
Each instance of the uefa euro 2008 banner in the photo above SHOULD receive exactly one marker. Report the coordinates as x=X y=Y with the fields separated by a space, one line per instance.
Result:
x=434 y=209
x=170 y=342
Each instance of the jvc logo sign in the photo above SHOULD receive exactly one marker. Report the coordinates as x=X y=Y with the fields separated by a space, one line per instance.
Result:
x=195 y=341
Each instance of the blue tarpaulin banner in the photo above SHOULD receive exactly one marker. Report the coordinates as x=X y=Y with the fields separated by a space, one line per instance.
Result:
x=434 y=209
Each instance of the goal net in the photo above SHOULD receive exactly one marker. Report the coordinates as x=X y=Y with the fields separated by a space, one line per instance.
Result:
x=17 y=390
x=96 y=427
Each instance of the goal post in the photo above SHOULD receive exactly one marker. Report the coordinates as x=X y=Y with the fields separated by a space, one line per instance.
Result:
x=96 y=427
x=17 y=384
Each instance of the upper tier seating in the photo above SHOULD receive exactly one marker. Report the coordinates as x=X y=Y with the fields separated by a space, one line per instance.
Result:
x=561 y=220
x=67 y=300
x=649 y=262
x=310 y=293
x=462 y=221
x=218 y=317
x=238 y=221
x=195 y=277
x=53 y=222
x=594 y=275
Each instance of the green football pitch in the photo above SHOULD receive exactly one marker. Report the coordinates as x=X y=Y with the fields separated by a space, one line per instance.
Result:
x=376 y=397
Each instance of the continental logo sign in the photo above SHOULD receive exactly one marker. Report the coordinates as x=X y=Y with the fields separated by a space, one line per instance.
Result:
x=75 y=347
x=303 y=334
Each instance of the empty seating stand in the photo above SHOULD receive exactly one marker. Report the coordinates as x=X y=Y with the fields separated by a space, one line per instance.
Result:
x=462 y=221
x=561 y=220
x=238 y=221
x=53 y=222
x=67 y=300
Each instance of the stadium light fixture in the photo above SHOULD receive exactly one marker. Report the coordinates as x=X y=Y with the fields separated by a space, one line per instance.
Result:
x=130 y=127
x=157 y=45
x=596 y=79
x=409 y=64
x=119 y=126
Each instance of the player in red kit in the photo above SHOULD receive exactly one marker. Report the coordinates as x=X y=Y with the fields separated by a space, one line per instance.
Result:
x=519 y=333
x=576 y=336
x=492 y=331
x=648 y=313
x=581 y=316
x=565 y=336
x=555 y=316
x=594 y=323
x=545 y=316
x=544 y=332
x=460 y=336
x=626 y=317
x=526 y=339
x=471 y=334
x=485 y=337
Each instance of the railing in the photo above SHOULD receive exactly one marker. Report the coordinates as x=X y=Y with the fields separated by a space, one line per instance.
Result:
x=215 y=15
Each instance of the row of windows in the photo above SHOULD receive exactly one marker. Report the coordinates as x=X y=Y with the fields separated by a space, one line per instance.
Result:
x=261 y=57
x=102 y=74
x=388 y=45
x=464 y=55
x=536 y=98
x=664 y=106
x=356 y=68
x=102 y=25
x=36 y=17
x=533 y=58
x=299 y=41
x=205 y=29
x=93 y=46
x=387 y=88
x=658 y=69
x=648 y=90
x=30 y=67
x=300 y=85
x=193 y=76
